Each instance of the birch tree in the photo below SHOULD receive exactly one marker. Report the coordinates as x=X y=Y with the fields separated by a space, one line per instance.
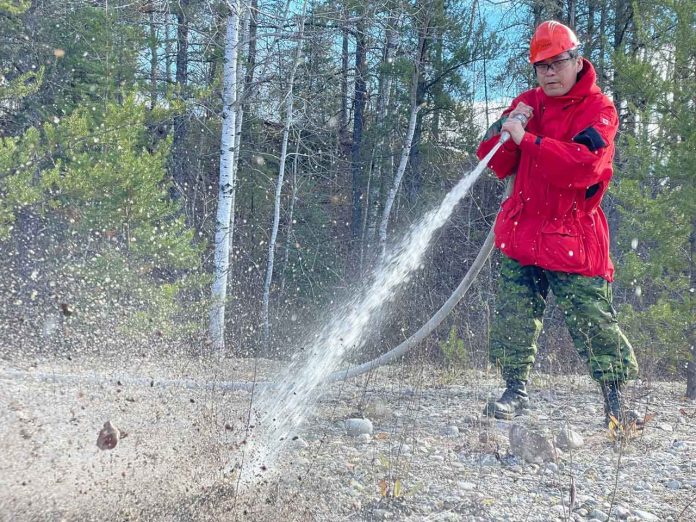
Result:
x=374 y=180
x=405 y=152
x=226 y=189
x=279 y=181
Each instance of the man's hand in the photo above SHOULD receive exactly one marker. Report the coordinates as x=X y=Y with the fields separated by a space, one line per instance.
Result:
x=513 y=125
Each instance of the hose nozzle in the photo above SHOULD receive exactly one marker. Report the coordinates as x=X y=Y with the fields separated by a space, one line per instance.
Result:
x=505 y=135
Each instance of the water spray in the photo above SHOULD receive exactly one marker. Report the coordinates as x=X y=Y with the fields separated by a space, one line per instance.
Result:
x=281 y=406
x=279 y=410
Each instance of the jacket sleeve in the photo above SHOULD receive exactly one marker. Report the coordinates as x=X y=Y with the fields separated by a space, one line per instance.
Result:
x=581 y=162
x=506 y=159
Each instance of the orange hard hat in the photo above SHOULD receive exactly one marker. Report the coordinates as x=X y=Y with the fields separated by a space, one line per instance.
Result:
x=550 y=39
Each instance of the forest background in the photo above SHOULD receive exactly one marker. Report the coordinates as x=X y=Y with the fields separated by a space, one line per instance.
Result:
x=348 y=121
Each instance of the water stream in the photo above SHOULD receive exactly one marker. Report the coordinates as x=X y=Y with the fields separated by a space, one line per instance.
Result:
x=278 y=411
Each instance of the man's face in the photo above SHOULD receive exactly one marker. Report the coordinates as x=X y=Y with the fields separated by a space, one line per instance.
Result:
x=557 y=75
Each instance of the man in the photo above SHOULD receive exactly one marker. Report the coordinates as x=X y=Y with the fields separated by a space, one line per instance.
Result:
x=551 y=230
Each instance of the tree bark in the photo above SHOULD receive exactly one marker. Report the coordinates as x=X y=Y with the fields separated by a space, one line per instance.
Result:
x=622 y=13
x=589 y=35
x=223 y=230
x=343 y=117
x=691 y=334
x=179 y=151
x=279 y=184
x=251 y=56
x=375 y=182
x=405 y=152
x=291 y=213
x=358 y=110
x=414 y=182
x=571 y=13
x=240 y=100
x=153 y=60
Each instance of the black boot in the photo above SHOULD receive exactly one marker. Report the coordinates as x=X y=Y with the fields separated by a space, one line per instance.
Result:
x=512 y=403
x=615 y=409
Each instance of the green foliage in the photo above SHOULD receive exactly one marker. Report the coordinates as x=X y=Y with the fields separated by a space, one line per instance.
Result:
x=14 y=7
x=454 y=352
x=116 y=292
x=115 y=235
x=112 y=185
x=99 y=61
x=656 y=189
x=22 y=86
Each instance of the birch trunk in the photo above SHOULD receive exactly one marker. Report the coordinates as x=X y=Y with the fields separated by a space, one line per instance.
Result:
x=279 y=184
x=293 y=199
x=375 y=182
x=405 y=153
x=223 y=230
x=239 y=117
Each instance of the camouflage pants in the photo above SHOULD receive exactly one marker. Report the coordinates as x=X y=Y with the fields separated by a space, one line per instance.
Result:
x=589 y=315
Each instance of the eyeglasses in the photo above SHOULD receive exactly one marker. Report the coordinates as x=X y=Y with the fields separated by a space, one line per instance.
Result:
x=555 y=66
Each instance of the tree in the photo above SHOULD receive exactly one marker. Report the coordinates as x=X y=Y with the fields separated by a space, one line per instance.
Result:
x=227 y=182
x=288 y=115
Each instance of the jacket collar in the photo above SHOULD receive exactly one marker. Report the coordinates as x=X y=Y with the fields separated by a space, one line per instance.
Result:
x=586 y=85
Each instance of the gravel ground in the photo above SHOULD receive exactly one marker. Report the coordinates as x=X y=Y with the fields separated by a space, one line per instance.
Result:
x=429 y=455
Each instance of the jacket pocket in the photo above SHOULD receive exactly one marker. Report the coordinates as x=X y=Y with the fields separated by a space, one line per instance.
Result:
x=562 y=246
x=505 y=224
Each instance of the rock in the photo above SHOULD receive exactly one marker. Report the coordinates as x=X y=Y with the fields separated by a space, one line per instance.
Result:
x=489 y=460
x=569 y=439
x=679 y=445
x=665 y=427
x=644 y=515
x=364 y=438
x=451 y=431
x=382 y=514
x=621 y=512
x=673 y=484
x=471 y=420
x=466 y=486
x=641 y=485
x=530 y=446
x=357 y=426
x=378 y=409
x=299 y=443
x=357 y=486
x=599 y=515
x=552 y=467
x=547 y=395
x=109 y=436
x=301 y=462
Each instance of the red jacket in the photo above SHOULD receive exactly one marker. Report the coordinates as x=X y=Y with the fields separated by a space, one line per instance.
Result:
x=563 y=164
